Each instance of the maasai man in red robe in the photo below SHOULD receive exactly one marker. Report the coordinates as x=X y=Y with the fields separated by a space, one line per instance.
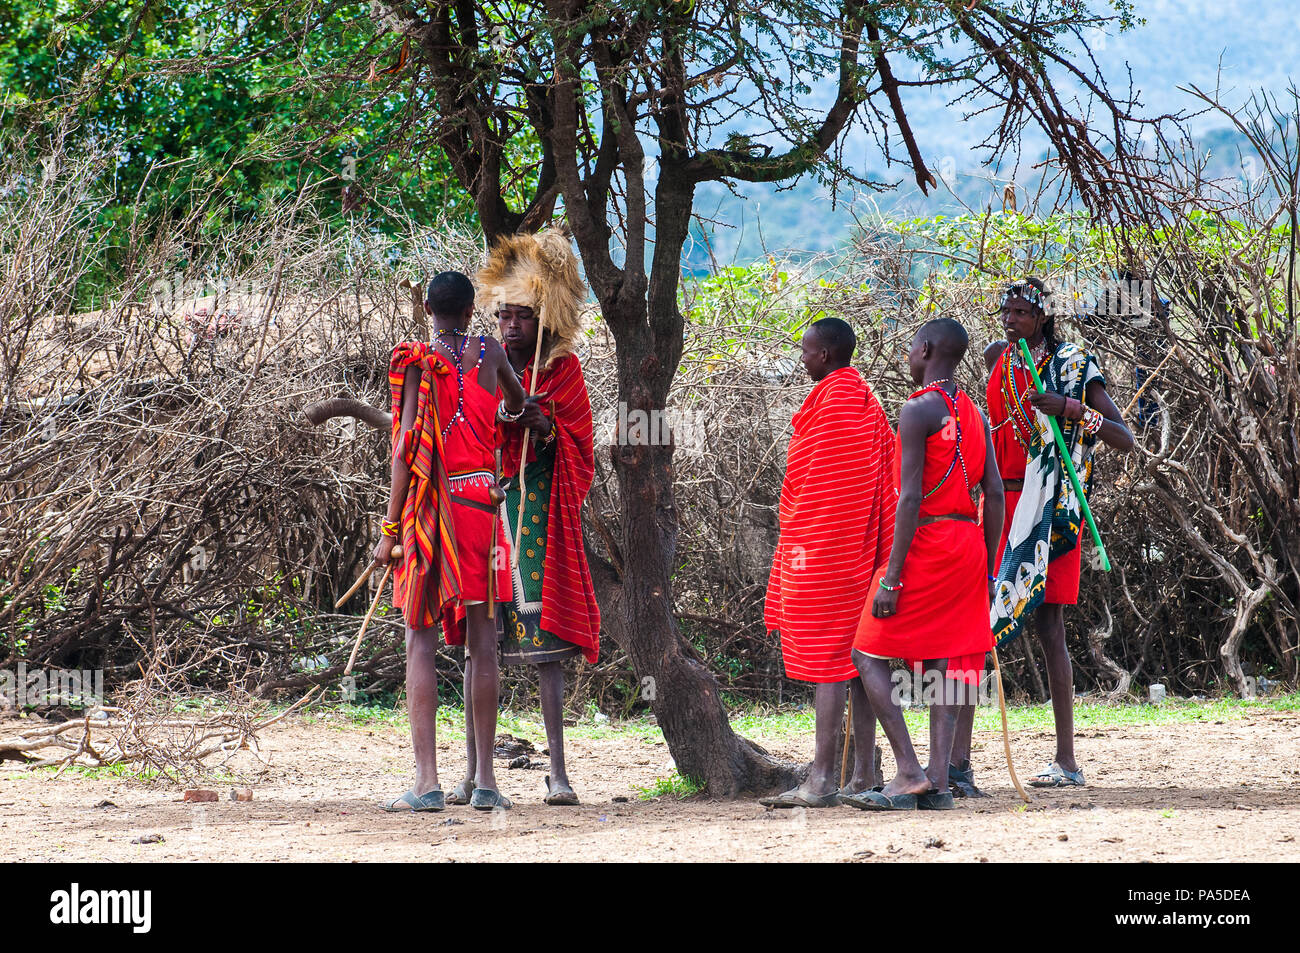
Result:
x=551 y=614
x=836 y=516
x=1015 y=410
x=931 y=603
x=445 y=398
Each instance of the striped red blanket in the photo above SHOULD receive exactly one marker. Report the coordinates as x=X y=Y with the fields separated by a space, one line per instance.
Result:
x=426 y=581
x=837 y=526
x=568 y=598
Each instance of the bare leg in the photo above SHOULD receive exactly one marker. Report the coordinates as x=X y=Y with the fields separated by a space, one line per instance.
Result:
x=550 y=678
x=880 y=689
x=1049 y=623
x=422 y=704
x=471 y=754
x=864 y=741
x=962 y=736
x=824 y=775
x=484 y=691
x=943 y=719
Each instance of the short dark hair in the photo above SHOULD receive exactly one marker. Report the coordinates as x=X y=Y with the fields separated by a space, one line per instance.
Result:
x=449 y=293
x=949 y=338
x=837 y=337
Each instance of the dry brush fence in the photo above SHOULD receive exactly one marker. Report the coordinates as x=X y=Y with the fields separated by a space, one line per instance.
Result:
x=167 y=514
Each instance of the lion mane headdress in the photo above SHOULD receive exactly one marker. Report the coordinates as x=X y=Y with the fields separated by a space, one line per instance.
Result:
x=539 y=272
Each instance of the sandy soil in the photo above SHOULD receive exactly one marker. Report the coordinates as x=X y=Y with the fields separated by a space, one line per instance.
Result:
x=1197 y=792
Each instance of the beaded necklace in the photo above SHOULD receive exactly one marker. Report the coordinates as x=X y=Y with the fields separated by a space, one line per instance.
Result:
x=956 y=416
x=456 y=355
x=1014 y=398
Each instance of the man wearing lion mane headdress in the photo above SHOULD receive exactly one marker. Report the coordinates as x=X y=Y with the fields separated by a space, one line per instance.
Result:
x=533 y=287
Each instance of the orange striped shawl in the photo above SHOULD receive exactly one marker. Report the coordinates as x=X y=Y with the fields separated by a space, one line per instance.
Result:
x=428 y=537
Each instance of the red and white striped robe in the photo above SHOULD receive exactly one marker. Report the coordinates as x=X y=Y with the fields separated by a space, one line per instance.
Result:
x=837 y=525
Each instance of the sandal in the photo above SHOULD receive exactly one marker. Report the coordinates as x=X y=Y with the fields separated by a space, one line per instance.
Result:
x=485 y=799
x=1055 y=776
x=796 y=798
x=962 y=781
x=565 y=798
x=415 y=803
x=462 y=792
x=880 y=801
x=934 y=801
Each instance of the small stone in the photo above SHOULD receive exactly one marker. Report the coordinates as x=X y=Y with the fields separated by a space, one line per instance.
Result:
x=934 y=842
x=241 y=794
x=198 y=794
x=619 y=799
x=520 y=762
x=148 y=839
x=1063 y=837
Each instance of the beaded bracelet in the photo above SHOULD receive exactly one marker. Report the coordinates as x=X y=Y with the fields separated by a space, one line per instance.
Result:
x=1092 y=420
x=505 y=415
x=890 y=588
x=550 y=435
x=390 y=528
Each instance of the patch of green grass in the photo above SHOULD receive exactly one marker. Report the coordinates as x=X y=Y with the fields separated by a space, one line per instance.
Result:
x=1096 y=714
x=775 y=723
x=102 y=772
x=675 y=785
x=451 y=722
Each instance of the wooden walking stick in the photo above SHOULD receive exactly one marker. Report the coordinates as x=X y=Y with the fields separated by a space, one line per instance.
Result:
x=1006 y=736
x=523 y=445
x=848 y=726
x=361 y=581
x=497 y=496
x=356 y=646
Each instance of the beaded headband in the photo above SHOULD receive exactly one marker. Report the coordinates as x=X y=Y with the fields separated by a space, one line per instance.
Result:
x=1026 y=291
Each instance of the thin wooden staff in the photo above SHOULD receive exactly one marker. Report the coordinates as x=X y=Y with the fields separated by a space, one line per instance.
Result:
x=523 y=444
x=496 y=496
x=356 y=646
x=1006 y=736
x=361 y=581
x=848 y=726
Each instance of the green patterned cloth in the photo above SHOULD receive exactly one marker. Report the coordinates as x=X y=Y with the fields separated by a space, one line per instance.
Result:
x=523 y=640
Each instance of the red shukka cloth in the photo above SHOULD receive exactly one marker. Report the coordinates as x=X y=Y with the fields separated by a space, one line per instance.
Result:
x=569 y=607
x=837 y=525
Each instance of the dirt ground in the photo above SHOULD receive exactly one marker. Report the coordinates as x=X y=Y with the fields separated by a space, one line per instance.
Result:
x=1216 y=791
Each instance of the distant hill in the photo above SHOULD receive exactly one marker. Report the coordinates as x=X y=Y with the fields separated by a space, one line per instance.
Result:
x=1237 y=46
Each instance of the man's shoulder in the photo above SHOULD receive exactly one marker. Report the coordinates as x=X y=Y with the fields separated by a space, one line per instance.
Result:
x=994 y=351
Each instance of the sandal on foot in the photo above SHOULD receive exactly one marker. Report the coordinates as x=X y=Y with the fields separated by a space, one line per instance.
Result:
x=416 y=803
x=962 y=781
x=1055 y=776
x=566 y=798
x=842 y=793
x=934 y=801
x=880 y=801
x=484 y=799
x=462 y=792
x=796 y=798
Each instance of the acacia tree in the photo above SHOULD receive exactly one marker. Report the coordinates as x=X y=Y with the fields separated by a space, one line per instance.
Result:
x=615 y=112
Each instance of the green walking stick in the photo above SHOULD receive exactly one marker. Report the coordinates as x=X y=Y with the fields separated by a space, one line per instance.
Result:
x=1065 y=459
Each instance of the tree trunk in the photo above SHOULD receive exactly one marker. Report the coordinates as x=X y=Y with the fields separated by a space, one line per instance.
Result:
x=683 y=693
